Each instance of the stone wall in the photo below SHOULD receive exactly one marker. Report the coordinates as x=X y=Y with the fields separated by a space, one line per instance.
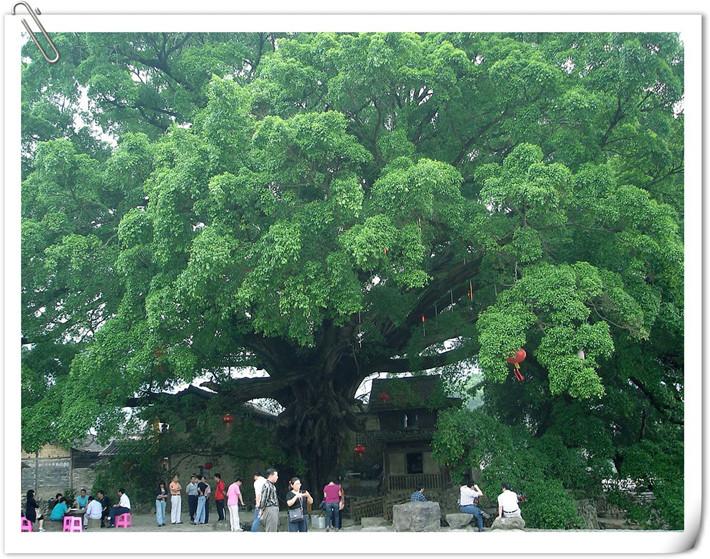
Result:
x=52 y=476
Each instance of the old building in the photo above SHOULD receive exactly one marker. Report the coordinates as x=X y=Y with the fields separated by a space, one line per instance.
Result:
x=400 y=421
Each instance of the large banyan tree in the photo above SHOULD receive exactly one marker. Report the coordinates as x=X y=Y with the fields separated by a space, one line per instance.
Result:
x=327 y=206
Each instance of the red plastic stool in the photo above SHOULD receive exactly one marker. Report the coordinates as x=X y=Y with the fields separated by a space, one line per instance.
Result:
x=124 y=520
x=25 y=525
x=73 y=524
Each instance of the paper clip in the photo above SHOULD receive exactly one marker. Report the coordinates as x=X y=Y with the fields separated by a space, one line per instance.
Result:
x=53 y=60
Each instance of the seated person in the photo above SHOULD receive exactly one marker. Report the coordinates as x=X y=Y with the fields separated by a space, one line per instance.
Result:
x=59 y=510
x=52 y=502
x=102 y=498
x=418 y=495
x=124 y=506
x=82 y=499
x=508 y=506
x=93 y=514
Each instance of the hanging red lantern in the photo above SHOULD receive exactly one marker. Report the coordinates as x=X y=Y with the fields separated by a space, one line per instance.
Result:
x=518 y=358
x=208 y=465
x=384 y=397
x=359 y=449
x=227 y=418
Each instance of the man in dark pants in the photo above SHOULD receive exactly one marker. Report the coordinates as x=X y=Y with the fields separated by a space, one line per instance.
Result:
x=219 y=496
x=105 y=506
x=123 y=506
x=191 y=490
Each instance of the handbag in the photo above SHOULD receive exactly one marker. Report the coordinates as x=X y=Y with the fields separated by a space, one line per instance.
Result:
x=294 y=515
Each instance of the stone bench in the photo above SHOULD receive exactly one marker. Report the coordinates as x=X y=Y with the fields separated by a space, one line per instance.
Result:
x=416 y=517
x=512 y=523
x=458 y=519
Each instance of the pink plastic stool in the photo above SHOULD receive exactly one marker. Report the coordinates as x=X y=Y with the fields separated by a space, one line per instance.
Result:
x=124 y=520
x=25 y=525
x=73 y=524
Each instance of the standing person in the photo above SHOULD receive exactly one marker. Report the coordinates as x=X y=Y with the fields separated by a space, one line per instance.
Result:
x=508 y=506
x=161 y=499
x=219 y=496
x=59 y=510
x=175 y=500
x=32 y=511
x=200 y=513
x=93 y=514
x=82 y=499
x=208 y=492
x=341 y=504
x=192 y=496
x=105 y=506
x=123 y=506
x=332 y=494
x=259 y=482
x=234 y=498
x=469 y=495
x=269 y=503
x=296 y=499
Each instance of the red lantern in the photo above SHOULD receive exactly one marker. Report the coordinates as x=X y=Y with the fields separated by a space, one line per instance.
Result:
x=208 y=465
x=227 y=418
x=359 y=449
x=384 y=397
x=518 y=358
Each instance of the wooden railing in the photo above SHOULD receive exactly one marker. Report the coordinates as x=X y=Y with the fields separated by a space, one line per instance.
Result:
x=400 y=482
x=363 y=507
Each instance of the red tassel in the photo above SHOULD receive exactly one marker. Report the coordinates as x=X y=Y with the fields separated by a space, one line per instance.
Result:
x=518 y=375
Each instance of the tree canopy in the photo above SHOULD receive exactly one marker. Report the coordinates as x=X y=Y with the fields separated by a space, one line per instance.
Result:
x=327 y=206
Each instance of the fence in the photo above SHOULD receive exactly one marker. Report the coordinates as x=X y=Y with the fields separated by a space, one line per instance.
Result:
x=363 y=507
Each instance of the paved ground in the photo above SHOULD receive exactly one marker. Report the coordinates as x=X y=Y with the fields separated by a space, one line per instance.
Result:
x=146 y=523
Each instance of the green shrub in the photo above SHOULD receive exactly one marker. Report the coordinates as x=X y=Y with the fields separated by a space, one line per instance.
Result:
x=549 y=506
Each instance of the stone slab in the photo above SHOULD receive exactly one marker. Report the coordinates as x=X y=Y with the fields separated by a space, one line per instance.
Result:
x=416 y=517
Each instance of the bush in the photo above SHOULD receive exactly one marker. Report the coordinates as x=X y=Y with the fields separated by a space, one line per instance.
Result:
x=549 y=506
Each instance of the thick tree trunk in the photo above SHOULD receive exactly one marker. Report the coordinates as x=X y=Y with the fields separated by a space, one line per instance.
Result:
x=319 y=409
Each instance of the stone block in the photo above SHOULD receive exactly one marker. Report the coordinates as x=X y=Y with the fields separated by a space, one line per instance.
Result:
x=512 y=523
x=459 y=519
x=416 y=517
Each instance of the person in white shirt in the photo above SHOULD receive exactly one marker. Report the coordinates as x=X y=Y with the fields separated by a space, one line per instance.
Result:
x=469 y=494
x=124 y=506
x=259 y=482
x=94 y=510
x=508 y=503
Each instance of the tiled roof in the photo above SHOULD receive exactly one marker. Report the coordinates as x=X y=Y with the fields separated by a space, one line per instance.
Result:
x=390 y=394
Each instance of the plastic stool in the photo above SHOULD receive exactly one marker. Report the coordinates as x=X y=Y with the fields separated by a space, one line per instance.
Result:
x=124 y=520
x=25 y=525
x=73 y=524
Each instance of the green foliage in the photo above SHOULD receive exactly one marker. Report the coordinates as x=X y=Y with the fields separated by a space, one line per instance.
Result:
x=541 y=469
x=299 y=209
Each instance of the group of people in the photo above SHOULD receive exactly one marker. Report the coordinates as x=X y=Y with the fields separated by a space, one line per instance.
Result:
x=266 y=503
x=469 y=502
x=96 y=511
x=199 y=493
x=266 y=509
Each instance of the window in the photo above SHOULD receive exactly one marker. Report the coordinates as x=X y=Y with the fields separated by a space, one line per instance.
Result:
x=409 y=420
x=415 y=463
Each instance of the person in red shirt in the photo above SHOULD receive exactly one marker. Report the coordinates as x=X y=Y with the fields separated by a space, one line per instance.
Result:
x=332 y=495
x=219 y=496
